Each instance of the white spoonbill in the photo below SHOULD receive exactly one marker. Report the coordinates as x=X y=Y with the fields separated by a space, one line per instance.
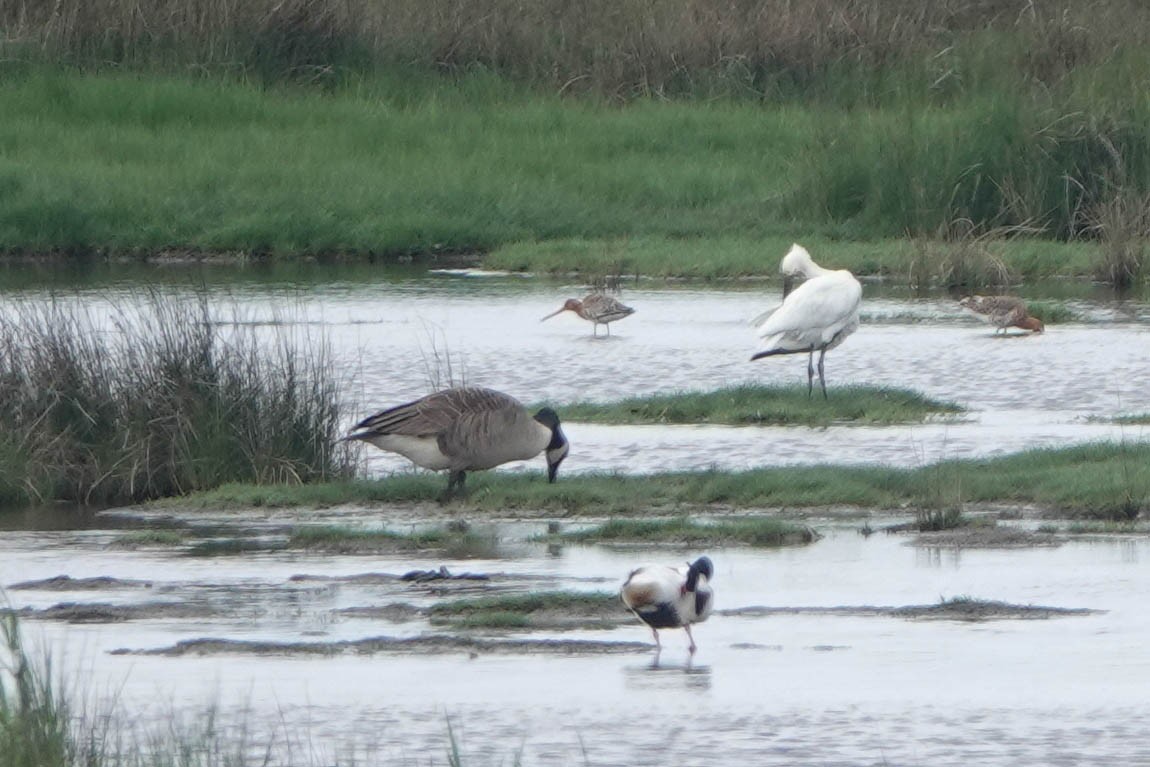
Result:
x=597 y=308
x=815 y=316
x=465 y=429
x=1002 y=312
x=669 y=598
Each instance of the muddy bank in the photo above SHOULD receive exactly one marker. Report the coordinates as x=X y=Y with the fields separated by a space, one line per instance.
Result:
x=955 y=609
x=435 y=644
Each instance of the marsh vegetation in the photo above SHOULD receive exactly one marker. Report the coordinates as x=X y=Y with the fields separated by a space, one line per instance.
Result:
x=970 y=121
x=767 y=405
x=159 y=403
x=1092 y=480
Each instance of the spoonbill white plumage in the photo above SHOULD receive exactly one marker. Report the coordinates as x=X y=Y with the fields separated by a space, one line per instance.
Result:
x=1002 y=312
x=815 y=316
x=465 y=429
x=668 y=597
x=597 y=308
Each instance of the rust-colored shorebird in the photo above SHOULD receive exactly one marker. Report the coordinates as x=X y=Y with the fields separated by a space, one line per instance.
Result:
x=1002 y=312
x=668 y=597
x=597 y=308
x=465 y=429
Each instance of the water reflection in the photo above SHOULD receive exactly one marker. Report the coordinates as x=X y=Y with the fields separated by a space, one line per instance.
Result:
x=668 y=675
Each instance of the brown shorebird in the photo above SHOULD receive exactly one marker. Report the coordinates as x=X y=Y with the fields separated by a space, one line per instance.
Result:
x=669 y=598
x=465 y=429
x=1002 y=312
x=598 y=308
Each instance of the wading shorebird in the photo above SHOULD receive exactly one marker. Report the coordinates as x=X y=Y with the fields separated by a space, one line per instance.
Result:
x=670 y=598
x=1002 y=312
x=815 y=316
x=465 y=429
x=597 y=308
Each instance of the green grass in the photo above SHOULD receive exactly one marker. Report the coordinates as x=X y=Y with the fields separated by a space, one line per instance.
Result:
x=133 y=165
x=720 y=255
x=456 y=543
x=1134 y=419
x=751 y=531
x=517 y=611
x=152 y=538
x=1094 y=480
x=766 y=405
x=1051 y=313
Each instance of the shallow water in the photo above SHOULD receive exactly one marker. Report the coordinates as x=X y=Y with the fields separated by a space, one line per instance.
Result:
x=802 y=688
x=386 y=335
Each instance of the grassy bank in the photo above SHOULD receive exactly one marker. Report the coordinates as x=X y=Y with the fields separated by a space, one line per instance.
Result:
x=161 y=401
x=1102 y=479
x=765 y=405
x=137 y=165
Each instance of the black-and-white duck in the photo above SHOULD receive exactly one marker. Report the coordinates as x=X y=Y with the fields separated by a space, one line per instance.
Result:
x=670 y=597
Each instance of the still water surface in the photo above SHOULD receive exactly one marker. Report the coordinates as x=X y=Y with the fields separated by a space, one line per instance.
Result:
x=391 y=331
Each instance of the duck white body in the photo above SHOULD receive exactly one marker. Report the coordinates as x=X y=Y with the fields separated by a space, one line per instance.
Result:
x=669 y=597
x=465 y=429
x=817 y=316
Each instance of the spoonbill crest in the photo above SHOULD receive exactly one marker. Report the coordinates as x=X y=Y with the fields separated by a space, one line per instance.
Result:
x=668 y=597
x=597 y=308
x=815 y=316
x=465 y=429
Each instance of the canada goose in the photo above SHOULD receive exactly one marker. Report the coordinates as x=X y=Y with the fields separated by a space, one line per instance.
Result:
x=815 y=316
x=667 y=597
x=598 y=308
x=465 y=429
x=1002 y=312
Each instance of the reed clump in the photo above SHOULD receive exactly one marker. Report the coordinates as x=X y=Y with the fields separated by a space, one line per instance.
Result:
x=1122 y=223
x=158 y=402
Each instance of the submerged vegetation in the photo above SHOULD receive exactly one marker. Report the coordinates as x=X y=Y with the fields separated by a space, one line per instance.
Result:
x=1101 y=480
x=453 y=541
x=552 y=609
x=137 y=406
x=751 y=531
x=766 y=405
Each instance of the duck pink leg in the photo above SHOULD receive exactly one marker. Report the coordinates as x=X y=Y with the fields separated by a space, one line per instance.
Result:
x=690 y=647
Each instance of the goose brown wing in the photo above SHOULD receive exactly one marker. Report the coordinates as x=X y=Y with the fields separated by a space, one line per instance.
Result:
x=436 y=412
x=483 y=438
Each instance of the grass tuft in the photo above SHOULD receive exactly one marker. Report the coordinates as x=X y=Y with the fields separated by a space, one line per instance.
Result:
x=162 y=403
x=766 y=405
x=751 y=531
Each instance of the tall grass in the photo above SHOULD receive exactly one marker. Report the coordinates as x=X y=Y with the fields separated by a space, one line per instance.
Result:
x=448 y=124
x=35 y=726
x=157 y=403
x=857 y=51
